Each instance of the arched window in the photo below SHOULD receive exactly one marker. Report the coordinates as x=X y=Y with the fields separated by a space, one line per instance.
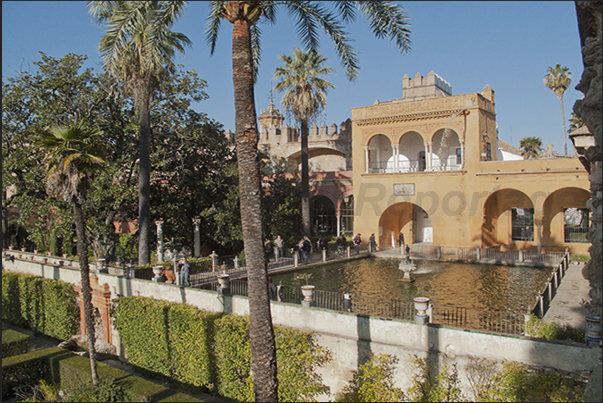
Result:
x=347 y=216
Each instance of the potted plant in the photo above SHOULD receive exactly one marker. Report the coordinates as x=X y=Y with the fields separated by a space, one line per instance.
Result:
x=421 y=305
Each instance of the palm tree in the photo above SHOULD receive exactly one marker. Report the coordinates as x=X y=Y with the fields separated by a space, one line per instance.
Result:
x=386 y=20
x=74 y=154
x=576 y=122
x=138 y=48
x=530 y=147
x=557 y=80
x=305 y=98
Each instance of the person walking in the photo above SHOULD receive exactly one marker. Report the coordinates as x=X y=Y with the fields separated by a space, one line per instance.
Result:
x=373 y=243
x=357 y=241
x=272 y=290
x=341 y=244
x=279 y=243
x=401 y=240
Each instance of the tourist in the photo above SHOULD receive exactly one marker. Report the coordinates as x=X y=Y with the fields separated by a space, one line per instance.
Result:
x=322 y=244
x=401 y=240
x=373 y=243
x=278 y=242
x=357 y=241
x=341 y=244
x=272 y=291
x=169 y=275
x=306 y=248
x=407 y=253
x=184 y=267
x=267 y=249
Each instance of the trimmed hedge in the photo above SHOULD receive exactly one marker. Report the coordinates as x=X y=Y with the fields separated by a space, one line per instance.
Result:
x=43 y=305
x=57 y=365
x=211 y=350
x=13 y=342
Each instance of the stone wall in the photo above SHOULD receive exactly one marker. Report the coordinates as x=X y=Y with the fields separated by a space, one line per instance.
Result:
x=589 y=109
x=351 y=338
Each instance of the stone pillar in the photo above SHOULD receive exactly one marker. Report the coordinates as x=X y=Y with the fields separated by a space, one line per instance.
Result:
x=213 y=256
x=196 y=222
x=159 y=224
x=396 y=149
x=462 y=153
x=366 y=160
x=429 y=156
x=338 y=224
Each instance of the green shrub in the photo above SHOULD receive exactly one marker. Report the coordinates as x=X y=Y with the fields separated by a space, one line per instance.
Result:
x=43 y=305
x=211 y=350
x=553 y=331
x=373 y=382
x=142 y=326
x=13 y=342
x=574 y=257
x=518 y=382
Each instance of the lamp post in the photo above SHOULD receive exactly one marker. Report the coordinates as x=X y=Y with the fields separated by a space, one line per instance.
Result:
x=196 y=222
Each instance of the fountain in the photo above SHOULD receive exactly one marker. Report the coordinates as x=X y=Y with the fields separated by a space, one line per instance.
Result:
x=407 y=266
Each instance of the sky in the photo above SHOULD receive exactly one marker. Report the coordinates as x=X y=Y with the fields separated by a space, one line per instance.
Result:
x=508 y=45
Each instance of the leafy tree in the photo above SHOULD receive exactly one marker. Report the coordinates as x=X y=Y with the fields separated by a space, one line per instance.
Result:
x=576 y=122
x=74 y=155
x=192 y=165
x=59 y=92
x=557 y=80
x=138 y=48
x=386 y=20
x=305 y=97
x=530 y=147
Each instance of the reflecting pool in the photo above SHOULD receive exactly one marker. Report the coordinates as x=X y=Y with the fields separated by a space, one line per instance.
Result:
x=479 y=286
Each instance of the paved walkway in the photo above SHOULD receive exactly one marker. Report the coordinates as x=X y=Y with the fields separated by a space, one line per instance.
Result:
x=566 y=304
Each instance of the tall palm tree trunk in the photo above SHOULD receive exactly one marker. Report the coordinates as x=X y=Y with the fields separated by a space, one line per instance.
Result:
x=564 y=131
x=144 y=176
x=305 y=180
x=82 y=254
x=261 y=332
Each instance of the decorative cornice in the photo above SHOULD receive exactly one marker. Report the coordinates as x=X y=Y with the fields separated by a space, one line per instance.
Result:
x=409 y=117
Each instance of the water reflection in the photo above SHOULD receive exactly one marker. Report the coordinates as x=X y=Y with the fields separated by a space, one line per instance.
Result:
x=458 y=284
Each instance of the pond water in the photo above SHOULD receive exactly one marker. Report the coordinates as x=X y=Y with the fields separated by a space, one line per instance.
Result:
x=479 y=286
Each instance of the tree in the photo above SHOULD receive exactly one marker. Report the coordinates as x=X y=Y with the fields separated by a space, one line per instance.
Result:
x=557 y=80
x=575 y=123
x=74 y=155
x=138 y=48
x=530 y=147
x=305 y=97
x=386 y=20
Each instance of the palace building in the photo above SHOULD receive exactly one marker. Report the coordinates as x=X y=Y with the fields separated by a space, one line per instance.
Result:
x=430 y=165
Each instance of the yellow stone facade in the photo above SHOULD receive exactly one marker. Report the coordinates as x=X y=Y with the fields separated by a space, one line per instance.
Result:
x=426 y=165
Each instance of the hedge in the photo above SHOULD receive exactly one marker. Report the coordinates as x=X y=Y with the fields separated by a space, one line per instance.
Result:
x=43 y=305
x=57 y=365
x=211 y=350
x=13 y=342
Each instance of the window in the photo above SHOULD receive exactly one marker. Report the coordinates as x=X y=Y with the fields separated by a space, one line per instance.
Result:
x=488 y=152
x=522 y=224
x=575 y=225
x=459 y=158
x=322 y=215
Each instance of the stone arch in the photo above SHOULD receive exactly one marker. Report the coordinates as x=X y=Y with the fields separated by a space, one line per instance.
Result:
x=410 y=147
x=445 y=150
x=380 y=154
x=553 y=213
x=322 y=215
x=408 y=218
x=497 y=218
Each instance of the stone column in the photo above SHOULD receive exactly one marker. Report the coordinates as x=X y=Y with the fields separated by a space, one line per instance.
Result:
x=538 y=219
x=196 y=222
x=396 y=152
x=366 y=160
x=462 y=153
x=427 y=164
x=159 y=224
x=429 y=156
